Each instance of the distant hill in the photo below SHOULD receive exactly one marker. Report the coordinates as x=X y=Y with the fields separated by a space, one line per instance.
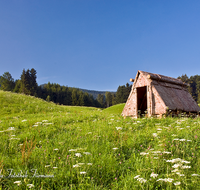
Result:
x=95 y=93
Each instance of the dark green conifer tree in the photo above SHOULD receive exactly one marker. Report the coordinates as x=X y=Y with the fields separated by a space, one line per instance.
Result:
x=7 y=82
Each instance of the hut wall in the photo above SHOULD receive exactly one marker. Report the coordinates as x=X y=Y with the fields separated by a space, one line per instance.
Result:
x=142 y=81
x=158 y=106
x=130 y=108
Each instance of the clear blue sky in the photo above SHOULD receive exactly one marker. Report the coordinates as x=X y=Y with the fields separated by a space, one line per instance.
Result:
x=99 y=44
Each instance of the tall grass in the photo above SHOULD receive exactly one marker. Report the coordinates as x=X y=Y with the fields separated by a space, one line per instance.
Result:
x=47 y=146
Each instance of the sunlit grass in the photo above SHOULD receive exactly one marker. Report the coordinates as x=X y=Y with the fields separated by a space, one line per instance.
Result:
x=47 y=146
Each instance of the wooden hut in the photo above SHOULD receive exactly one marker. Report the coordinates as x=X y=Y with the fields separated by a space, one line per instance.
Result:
x=154 y=94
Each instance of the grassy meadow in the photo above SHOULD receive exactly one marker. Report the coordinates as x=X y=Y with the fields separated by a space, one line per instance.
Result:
x=49 y=146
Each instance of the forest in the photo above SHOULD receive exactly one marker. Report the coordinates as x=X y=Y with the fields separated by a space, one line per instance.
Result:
x=63 y=95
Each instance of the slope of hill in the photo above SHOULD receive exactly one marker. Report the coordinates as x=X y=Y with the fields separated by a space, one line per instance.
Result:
x=116 y=109
x=47 y=146
x=94 y=93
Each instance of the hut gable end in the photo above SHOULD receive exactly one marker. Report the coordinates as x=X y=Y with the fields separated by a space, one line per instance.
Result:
x=154 y=94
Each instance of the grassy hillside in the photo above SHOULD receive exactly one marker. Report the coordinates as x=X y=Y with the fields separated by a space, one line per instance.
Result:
x=46 y=146
x=116 y=109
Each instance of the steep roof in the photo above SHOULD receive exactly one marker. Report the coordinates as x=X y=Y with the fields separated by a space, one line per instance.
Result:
x=172 y=91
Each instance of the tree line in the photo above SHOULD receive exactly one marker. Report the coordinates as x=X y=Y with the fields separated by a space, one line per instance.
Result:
x=194 y=88
x=64 y=95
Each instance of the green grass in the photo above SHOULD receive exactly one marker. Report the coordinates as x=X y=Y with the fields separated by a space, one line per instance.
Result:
x=113 y=151
x=116 y=109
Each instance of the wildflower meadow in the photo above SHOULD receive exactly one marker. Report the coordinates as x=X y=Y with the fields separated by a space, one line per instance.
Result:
x=49 y=146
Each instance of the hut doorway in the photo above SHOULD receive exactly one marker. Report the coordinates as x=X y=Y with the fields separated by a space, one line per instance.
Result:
x=142 y=99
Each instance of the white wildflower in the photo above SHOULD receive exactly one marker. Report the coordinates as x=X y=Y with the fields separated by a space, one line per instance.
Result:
x=154 y=175
x=115 y=148
x=55 y=167
x=24 y=120
x=47 y=123
x=18 y=183
x=169 y=180
x=87 y=153
x=188 y=126
x=178 y=173
x=166 y=179
x=175 y=170
x=10 y=129
x=55 y=149
x=141 y=180
x=47 y=166
x=182 y=139
x=118 y=128
x=35 y=126
x=174 y=160
x=89 y=164
x=136 y=176
x=175 y=139
x=76 y=166
x=189 y=140
x=186 y=162
x=143 y=153
x=38 y=123
x=30 y=185
x=195 y=175
x=176 y=165
x=78 y=154
x=80 y=164
x=155 y=134
x=14 y=139
x=82 y=172
x=185 y=167
x=174 y=135
x=156 y=158
x=71 y=150
x=165 y=152
x=177 y=183
x=159 y=129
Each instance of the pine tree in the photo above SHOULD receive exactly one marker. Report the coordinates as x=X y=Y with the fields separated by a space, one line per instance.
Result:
x=74 y=97
x=22 y=88
x=17 y=86
x=33 y=83
x=108 y=99
x=7 y=82
x=100 y=99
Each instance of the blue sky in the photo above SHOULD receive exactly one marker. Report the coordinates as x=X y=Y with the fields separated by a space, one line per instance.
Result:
x=99 y=44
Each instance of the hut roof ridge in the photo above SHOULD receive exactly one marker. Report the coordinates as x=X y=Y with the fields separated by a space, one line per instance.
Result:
x=163 y=78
